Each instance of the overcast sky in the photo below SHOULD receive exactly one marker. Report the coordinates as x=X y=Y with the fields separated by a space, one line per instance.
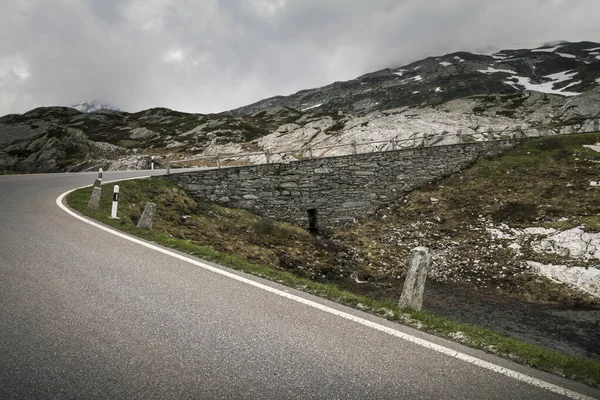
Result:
x=210 y=55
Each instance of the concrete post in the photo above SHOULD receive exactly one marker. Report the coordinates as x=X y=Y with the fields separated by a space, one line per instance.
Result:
x=98 y=181
x=393 y=144
x=94 y=203
x=425 y=140
x=219 y=161
x=115 y=203
x=519 y=132
x=268 y=156
x=414 y=285
x=353 y=144
x=460 y=136
x=572 y=130
x=145 y=221
x=490 y=134
x=596 y=125
x=168 y=167
x=310 y=153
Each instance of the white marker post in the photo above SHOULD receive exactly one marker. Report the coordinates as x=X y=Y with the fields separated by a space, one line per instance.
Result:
x=115 y=204
x=152 y=163
x=98 y=181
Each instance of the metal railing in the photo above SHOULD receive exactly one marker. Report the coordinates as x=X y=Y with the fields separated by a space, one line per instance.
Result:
x=424 y=140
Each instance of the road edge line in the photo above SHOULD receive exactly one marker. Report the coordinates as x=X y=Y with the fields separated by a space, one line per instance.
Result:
x=370 y=324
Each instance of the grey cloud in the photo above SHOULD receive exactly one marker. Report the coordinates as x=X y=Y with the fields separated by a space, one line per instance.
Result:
x=209 y=56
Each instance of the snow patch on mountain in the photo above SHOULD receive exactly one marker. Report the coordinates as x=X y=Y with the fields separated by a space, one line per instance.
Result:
x=491 y=70
x=547 y=50
x=445 y=63
x=565 y=55
x=311 y=107
x=92 y=106
x=547 y=87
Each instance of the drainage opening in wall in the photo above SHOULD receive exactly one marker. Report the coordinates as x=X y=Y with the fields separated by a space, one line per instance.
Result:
x=313 y=220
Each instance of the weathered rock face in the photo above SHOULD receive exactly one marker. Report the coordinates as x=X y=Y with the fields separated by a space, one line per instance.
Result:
x=49 y=148
x=435 y=96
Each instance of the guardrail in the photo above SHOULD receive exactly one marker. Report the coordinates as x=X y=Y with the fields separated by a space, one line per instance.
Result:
x=425 y=140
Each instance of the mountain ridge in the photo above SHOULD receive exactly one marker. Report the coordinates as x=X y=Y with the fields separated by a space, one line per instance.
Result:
x=548 y=87
x=413 y=81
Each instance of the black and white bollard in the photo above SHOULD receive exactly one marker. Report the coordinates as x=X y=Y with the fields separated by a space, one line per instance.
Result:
x=98 y=181
x=115 y=204
x=152 y=163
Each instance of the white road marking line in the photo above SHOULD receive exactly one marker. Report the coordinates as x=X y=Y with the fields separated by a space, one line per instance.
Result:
x=373 y=325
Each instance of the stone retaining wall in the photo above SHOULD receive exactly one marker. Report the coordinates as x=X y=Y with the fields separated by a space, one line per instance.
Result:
x=333 y=190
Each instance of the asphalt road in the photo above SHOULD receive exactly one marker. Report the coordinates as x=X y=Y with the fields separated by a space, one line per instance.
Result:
x=87 y=314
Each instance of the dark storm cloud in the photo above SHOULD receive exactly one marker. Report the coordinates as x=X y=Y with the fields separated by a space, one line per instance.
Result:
x=208 y=56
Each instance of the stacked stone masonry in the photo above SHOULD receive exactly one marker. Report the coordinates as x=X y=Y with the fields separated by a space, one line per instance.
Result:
x=340 y=189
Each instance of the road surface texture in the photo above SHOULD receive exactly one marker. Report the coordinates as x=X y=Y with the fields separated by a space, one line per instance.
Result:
x=87 y=314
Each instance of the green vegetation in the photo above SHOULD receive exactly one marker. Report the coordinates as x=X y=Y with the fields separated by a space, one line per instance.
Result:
x=542 y=183
x=287 y=254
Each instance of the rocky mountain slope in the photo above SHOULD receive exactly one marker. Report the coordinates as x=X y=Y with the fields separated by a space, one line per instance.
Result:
x=546 y=87
x=566 y=69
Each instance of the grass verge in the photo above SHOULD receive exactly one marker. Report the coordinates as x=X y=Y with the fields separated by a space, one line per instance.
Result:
x=173 y=205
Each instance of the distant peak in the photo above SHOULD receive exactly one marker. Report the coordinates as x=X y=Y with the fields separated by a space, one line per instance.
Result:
x=92 y=106
x=553 y=43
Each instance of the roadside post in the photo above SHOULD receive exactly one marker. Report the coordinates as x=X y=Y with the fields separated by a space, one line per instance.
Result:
x=115 y=204
x=414 y=285
x=145 y=221
x=94 y=202
x=98 y=181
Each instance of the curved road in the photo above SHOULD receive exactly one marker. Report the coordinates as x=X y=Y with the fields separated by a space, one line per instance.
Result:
x=88 y=314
